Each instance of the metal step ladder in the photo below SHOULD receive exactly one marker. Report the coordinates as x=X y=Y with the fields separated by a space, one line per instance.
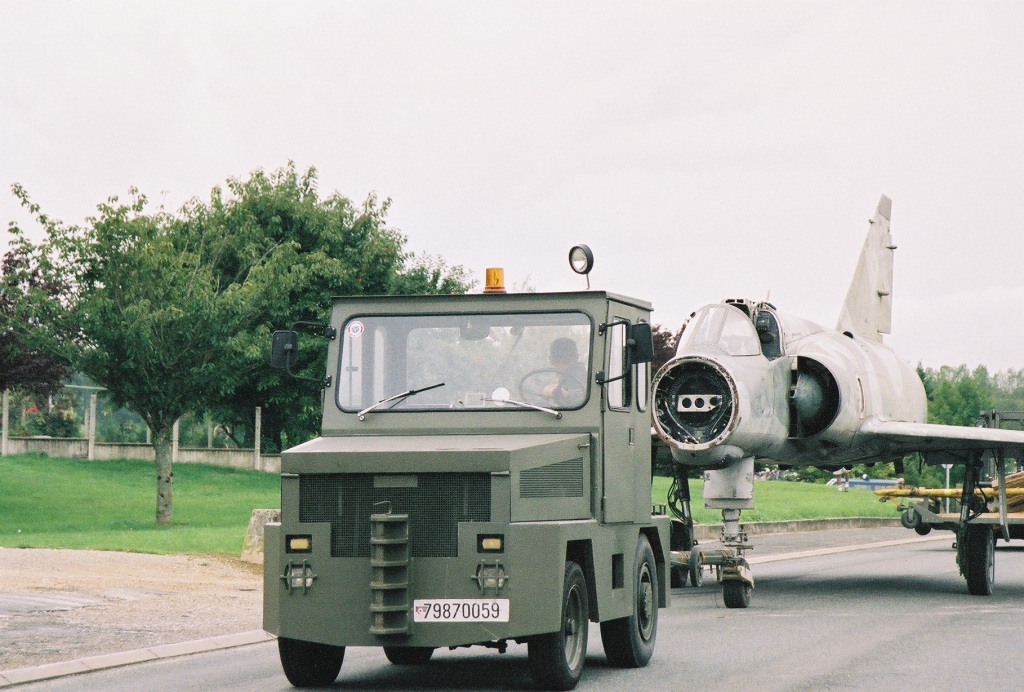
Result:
x=390 y=561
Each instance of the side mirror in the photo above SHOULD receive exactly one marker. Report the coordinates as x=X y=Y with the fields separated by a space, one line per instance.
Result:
x=640 y=341
x=284 y=349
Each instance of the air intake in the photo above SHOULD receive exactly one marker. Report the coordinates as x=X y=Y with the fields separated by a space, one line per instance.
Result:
x=563 y=479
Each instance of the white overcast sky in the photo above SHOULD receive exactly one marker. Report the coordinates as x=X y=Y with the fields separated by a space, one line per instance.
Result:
x=703 y=150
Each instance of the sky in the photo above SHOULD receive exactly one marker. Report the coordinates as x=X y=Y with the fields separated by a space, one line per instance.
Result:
x=702 y=150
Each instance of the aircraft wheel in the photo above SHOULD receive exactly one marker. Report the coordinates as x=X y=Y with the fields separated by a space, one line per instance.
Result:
x=556 y=659
x=408 y=655
x=309 y=664
x=735 y=593
x=981 y=559
x=629 y=641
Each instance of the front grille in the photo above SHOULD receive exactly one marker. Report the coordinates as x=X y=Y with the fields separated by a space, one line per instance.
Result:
x=435 y=507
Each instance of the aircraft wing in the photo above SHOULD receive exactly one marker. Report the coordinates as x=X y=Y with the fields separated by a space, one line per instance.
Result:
x=895 y=437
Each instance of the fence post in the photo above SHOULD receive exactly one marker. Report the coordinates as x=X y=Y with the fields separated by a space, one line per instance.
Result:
x=209 y=431
x=256 y=458
x=92 y=426
x=174 y=442
x=6 y=421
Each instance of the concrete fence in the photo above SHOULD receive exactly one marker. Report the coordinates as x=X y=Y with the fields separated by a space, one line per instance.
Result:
x=90 y=448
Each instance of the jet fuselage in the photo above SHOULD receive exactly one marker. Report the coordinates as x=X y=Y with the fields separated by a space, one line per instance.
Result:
x=750 y=381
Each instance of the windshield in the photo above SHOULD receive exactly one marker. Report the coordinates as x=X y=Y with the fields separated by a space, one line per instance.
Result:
x=485 y=361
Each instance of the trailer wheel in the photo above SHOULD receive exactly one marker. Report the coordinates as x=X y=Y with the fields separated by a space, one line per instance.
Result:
x=696 y=567
x=408 y=655
x=910 y=519
x=922 y=529
x=309 y=664
x=556 y=659
x=735 y=593
x=629 y=641
x=981 y=559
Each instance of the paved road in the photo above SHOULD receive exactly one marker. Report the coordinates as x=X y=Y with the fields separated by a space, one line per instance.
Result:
x=884 y=618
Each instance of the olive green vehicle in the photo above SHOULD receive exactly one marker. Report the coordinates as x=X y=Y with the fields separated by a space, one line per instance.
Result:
x=483 y=475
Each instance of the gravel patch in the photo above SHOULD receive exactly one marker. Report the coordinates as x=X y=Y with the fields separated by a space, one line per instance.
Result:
x=67 y=604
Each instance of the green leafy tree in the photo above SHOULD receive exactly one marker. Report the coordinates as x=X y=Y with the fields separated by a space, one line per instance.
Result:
x=155 y=320
x=957 y=395
x=1008 y=390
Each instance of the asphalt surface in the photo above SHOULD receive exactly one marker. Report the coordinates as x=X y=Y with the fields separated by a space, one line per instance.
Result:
x=822 y=617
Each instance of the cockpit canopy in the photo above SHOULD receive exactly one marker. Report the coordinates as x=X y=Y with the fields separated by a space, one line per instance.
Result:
x=736 y=328
x=725 y=327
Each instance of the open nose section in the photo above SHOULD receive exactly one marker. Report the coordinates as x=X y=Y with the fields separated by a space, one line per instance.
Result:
x=694 y=403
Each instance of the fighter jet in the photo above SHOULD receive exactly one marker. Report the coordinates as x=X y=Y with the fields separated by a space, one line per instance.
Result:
x=752 y=383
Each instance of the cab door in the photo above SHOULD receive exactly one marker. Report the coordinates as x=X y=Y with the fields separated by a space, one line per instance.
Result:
x=625 y=426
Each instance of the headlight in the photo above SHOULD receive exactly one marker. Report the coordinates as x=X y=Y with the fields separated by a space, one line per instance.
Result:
x=299 y=544
x=490 y=544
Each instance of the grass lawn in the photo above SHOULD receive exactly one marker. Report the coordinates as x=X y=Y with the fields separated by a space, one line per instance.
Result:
x=782 y=500
x=111 y=505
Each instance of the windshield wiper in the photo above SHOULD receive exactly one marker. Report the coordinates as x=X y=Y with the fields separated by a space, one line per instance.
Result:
x=397 y=398
x=525 y=404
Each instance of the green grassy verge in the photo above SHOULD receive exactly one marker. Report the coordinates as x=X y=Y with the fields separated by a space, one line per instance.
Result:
x=111 y=505
x=783 y=500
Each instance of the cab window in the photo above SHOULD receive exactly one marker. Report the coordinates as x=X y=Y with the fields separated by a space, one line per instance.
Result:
x=540 y=358
x=619 y=391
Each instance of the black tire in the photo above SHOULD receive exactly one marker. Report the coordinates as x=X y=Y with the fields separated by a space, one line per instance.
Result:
x=556 y=659
x=910 y=519
x=696 y=568
x=408 y=655
x=678 y=577
x=309 y=664
x=981 y=561
x=922 y=529
x=629 y=641
x=735 y=593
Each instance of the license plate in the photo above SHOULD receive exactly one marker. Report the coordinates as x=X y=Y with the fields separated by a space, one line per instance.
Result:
x=460 y=610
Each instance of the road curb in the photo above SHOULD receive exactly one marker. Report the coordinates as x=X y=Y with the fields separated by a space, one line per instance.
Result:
x=18 y=676
x=711 y=532
x=818 y=552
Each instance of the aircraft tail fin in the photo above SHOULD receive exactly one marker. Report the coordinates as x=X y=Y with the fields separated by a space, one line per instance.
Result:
x=867 y=311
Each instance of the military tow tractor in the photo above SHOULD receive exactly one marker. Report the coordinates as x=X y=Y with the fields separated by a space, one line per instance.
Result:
x=482 y=477
x=989 y=505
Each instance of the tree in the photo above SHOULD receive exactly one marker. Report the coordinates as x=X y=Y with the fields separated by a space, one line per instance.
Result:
x=157 y=319
x=956 y=395
x=154 y=319
x=665 y=342
x=36 y=336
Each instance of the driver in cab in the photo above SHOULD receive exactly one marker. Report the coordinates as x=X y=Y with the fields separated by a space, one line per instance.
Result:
x=570 y=388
